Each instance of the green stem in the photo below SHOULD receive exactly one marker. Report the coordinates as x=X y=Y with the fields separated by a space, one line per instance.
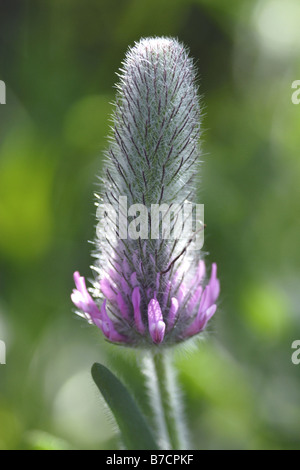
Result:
x=165 y=400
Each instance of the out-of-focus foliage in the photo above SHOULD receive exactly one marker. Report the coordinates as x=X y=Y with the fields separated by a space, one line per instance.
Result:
x=58 y=59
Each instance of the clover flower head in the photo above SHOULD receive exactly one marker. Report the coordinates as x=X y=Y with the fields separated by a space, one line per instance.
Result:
x=150 y=291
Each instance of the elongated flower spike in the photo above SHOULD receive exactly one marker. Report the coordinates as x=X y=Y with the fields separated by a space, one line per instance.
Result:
x=150 y=290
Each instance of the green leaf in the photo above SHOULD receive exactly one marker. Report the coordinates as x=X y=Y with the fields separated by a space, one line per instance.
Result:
x=135 y=432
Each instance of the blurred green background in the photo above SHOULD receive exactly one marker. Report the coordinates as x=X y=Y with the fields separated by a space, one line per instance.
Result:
x=58 y=59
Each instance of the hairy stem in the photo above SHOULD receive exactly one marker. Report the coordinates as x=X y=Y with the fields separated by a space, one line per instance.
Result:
x=165 y=401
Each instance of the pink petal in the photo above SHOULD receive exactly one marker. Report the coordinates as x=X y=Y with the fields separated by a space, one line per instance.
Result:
x=157 y=326
x=136 y=301
x=172 y=312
